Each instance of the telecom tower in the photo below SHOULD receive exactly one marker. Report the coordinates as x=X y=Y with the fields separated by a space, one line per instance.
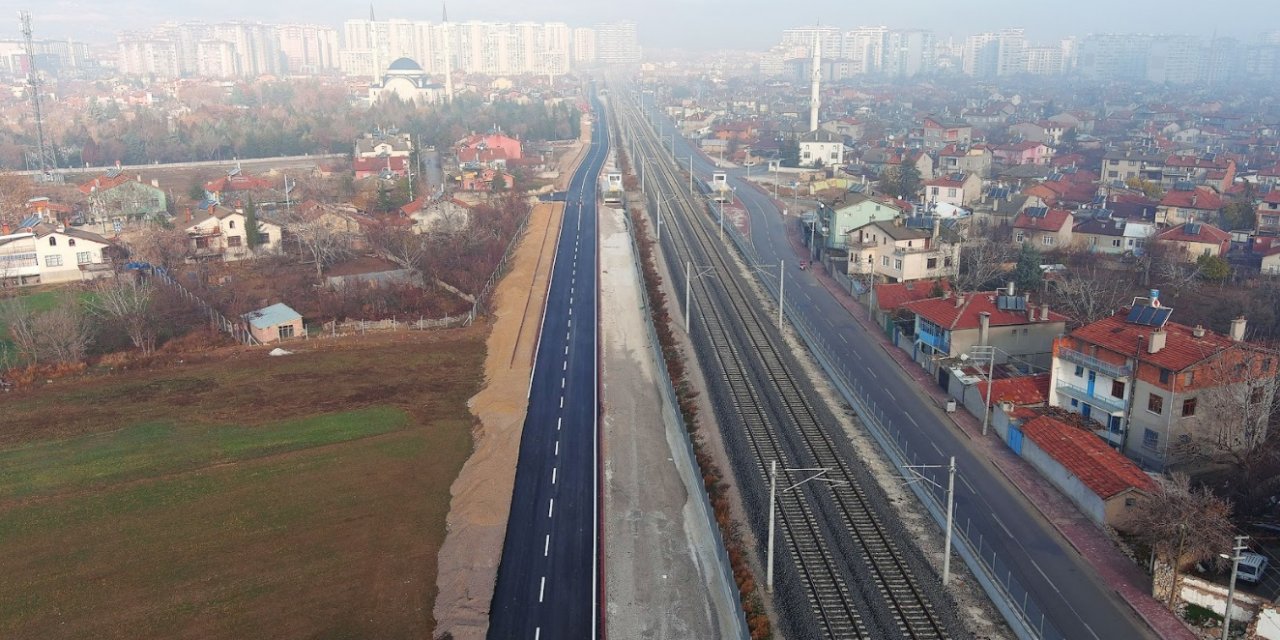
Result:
x=44 y=154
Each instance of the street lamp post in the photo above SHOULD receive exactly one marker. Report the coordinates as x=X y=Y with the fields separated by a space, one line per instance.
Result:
x=978 y=352
x=951 y=507
x=818 y=474
x=782 y=290
x=689 y=275
x=1236 y=556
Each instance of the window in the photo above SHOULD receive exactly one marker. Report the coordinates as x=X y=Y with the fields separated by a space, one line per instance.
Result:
x=951 y=193
x=1047 y=240
x=233 y=241
x=83 y=257
x=1117 y=389
x=1113 y=174
x=285 y=331
x=897 y=265
x=231 y=224
x=71 y=242
x=1150 y=439
x=884 y=261
x=1019 y=237
x=53 y=242
x=1164 y=376
x=1155 y=403
x=946 y=262
x=1115 y=243
x=1079 y=371
x=935 y=191
x=1188 y=407
x=1093 y=241
x=53 y=261
x=1075 y=403
x=931 y=263
x=1188 y=378
x=1113 y=162
x=1130 y=502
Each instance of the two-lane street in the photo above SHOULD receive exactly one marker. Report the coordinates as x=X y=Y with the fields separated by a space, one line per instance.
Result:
x=548 y=581
x=1070 y=594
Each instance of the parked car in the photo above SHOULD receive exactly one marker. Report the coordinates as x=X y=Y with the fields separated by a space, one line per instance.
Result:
x=1252 y=566
x=804 y=264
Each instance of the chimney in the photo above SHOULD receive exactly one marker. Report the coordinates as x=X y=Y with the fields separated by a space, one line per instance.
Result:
x=946 y=295
x=188 y=214
x=1198 y=331
x=1194 y=197
x=937 y=225
x=959 y=300
x=139 y=177
x=1157 y=341
x=1044 y=313
x=155 y=183
x=1010 y=288
x=1237 y=329
x=984 y=327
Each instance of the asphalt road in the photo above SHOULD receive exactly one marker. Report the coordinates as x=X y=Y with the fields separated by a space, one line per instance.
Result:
x=547 y=580
x=1073 y=598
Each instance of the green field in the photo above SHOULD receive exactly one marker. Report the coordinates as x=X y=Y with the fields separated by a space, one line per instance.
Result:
x=244 y=497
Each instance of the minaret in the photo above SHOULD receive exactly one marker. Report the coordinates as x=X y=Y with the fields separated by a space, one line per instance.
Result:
x=448 y=55
x=373 y=46
x=817 y=80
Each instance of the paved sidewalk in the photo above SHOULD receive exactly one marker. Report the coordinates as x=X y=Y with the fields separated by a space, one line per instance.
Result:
x=1116 y=570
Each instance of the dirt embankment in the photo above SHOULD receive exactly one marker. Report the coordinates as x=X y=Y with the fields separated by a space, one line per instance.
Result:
x=476 y=527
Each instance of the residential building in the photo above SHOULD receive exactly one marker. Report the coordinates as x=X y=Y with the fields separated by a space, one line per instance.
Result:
x=44 y=252
x=442 y=215
x=1125 y=165
x=118 y=195
x=237 y=186
x=889 y=298
x=616 y=43
x=821 y=148
x=382 y=154
x=976 y=160
x=217 y=232
x=949 y=326
x=1151 y=384
x=956 y=189
x=1114 y=236
x=1268 y=214
x=308 y=49
x=1044 y=228
x=491 y=150
x=936 y=133
x=908 y=53
x=853 y=211
x=849 y=129
x=1195 y=239
x=898 y=253
x=584 y=46
x=1023 y=153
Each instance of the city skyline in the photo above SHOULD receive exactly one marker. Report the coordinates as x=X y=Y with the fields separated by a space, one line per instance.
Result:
x=757 y=24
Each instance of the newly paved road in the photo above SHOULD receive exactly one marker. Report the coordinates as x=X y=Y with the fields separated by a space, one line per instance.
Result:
x=1069 y=593
x=547 y=580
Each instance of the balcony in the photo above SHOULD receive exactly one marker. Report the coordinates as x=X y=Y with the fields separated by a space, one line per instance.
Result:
x=1090 y=362
x=1106 y=402
x=905 y=251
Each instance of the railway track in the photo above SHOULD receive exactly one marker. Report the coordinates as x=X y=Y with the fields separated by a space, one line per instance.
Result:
x=840 y=556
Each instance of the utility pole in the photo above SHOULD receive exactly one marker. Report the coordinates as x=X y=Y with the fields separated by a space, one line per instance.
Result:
x=978 y=352
x=782 y=290
x=951 y=507
x=1236 y=556
x=688 y=287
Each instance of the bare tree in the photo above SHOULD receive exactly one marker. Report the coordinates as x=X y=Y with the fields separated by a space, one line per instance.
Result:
x=160 y=246
x=981 y=261
x=21 y=321
x=1183 y=526
x=323 y=245
x=129 y=301
x=1238 y=408
x=400 y=245
x=64 y=332
x=1089 y=294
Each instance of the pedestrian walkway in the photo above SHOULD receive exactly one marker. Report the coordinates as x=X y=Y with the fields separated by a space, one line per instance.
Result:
x=1112 y=566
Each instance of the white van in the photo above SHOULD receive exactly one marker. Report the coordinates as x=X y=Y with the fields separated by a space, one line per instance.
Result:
x=1252 y=566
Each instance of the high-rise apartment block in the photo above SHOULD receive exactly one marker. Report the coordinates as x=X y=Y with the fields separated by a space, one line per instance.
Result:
x=494 y=48
x=616 y=43
x=228 y=49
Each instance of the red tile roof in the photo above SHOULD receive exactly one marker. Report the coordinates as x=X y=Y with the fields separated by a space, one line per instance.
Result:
x=1272 y=197
x=1021 y=390
x=945 y=181
x=1181 y=349
x=895 y=294
x=1104 y=470
x=103 y=183
x=1052 y=221
x=1208 y=234
x=944 y=312
x=1201 y=198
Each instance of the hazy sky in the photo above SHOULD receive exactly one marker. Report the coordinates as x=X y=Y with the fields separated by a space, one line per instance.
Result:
x=692 y=24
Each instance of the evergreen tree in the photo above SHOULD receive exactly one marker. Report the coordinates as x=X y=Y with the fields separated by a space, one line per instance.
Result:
x=253 y=234
x=1027 y=274
x=908 y=177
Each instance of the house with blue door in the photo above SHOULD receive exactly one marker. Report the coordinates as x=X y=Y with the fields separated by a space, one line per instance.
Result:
x=948 y=326
x=1155 y=388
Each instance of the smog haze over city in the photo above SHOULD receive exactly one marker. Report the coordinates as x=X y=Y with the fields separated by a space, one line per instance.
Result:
x=694 y=24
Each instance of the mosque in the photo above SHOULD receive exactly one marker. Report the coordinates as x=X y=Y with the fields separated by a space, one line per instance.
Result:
x=406 y=80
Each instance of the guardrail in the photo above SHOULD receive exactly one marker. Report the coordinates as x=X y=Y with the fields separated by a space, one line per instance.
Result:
x=1014 y=601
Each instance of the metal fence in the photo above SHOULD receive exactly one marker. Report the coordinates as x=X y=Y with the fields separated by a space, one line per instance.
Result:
x=688 y=457
x=1015 y=603
x=391 y=324
x=237 y=330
